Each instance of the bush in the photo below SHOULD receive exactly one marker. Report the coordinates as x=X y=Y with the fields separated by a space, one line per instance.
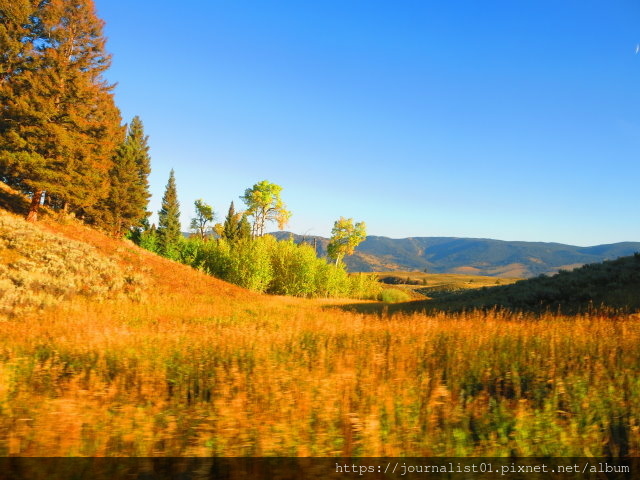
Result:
x=265 y=264
x=365 y=287
x=393 y=295
x=251 y=264
x=39 y=269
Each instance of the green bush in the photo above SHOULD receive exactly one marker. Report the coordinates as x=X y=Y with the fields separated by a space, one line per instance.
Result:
x=364 y=286
x=265 y=264
x=393 y=295
x=295 y=269
x=251 y=264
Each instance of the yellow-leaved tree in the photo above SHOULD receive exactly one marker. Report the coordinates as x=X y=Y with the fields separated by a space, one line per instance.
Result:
x=345 y=237
x=265 y=205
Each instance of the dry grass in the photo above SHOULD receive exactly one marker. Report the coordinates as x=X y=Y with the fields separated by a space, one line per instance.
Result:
x=191 y=376
x=201 y=367
x=39 y=269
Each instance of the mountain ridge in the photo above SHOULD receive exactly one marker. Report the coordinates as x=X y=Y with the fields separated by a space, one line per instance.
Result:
x=478 y=256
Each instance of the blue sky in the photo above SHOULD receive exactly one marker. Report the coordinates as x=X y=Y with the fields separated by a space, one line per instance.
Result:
x=499 y=119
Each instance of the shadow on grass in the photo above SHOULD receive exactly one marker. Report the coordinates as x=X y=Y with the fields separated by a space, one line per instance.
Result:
x=381 y=308
x=13 y=202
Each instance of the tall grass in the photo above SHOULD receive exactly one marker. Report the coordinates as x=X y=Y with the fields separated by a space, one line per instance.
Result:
x=202 y=367
x=197 y=376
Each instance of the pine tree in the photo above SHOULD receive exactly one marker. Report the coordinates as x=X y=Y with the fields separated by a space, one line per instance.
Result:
x=59 y=125
x=169 y=235
x=231 y=227
x=126 y=205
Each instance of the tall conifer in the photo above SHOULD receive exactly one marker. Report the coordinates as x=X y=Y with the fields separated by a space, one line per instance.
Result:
x=168 y=232
x=126 y=205
x=231 y=224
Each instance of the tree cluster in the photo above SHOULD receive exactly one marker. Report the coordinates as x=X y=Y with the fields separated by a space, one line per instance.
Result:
x=63 y=143
x=240 y=253
x=61 y=136
x=263 y=202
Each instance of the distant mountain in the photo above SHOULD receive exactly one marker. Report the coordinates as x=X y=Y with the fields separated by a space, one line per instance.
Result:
x=477 y=256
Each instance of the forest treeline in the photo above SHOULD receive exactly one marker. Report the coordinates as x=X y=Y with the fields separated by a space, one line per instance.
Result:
x=63 y=143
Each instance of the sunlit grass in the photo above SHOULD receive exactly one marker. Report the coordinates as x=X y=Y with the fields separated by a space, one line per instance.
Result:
x=200 y=367
x=187 y=377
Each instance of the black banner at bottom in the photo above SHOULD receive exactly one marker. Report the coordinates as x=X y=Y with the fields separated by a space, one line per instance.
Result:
x=277 y=468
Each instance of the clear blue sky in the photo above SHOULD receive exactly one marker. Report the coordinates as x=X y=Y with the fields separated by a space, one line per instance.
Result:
x=515 y=120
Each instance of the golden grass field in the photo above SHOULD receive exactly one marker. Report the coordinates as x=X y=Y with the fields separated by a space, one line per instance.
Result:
x=186 y=365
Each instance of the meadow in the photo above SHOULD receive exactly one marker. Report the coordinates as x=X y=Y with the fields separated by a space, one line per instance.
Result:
x=420 y=285
x=193 y=366
x=191 y=377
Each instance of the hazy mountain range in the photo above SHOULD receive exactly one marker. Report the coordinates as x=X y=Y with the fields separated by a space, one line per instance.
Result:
x=478 y=256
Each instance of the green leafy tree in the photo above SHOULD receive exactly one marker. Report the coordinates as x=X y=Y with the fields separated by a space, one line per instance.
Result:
x=126 y=205
x=204 y=216
x=168 y=232
x=59 y=125
x=265 y=205
x=345 y=237
x=145 y=235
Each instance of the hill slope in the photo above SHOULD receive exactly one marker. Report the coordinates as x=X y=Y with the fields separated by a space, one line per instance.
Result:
x=51 y=263
x=197 y=367
x=476 y=256
x=610 y=284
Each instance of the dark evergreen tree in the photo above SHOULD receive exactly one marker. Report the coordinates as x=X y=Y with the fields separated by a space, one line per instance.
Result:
x=169 y=234
x=145 y=235
x=231 y=226
x=126 y=205
x=135 y=234
x=59 y=125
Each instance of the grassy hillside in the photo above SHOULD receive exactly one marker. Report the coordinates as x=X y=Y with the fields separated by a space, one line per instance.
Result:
x=614 y=284
x=190 y=365
x=61 y=261
x=39 y=268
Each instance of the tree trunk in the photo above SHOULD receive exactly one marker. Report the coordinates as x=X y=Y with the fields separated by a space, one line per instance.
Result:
x=32 y=216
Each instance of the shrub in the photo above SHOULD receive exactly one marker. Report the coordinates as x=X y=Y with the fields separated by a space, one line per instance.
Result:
x=364 y=286
x=393 y=295
x=295 y=269
x=38 y=269
x=250 y=265
x=265 y=264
